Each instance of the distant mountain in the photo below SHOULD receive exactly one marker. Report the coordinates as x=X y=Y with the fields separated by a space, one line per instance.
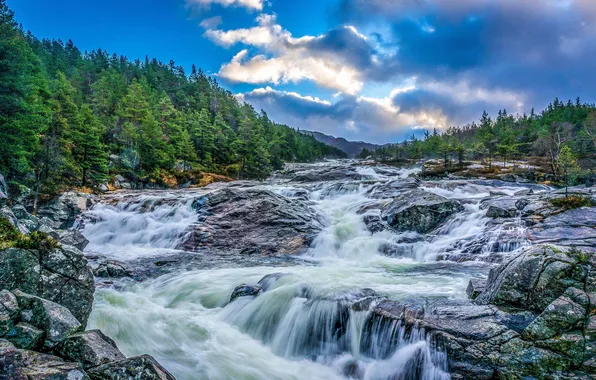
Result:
x=351 y=148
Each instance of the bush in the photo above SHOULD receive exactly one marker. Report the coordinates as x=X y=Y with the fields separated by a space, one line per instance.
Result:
x=10 y=237
x=579 y=256
x=572 y=202
x=8 y=233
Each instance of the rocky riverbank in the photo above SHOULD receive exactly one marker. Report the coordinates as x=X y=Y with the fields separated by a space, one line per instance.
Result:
x=530 y=258
x=46 y=297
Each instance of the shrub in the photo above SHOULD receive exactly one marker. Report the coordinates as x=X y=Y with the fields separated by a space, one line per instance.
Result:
x=10 y=237
x=572 y=202
x=579 y=256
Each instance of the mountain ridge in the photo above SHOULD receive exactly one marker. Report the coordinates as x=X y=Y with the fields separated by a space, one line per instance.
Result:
x=351 y=148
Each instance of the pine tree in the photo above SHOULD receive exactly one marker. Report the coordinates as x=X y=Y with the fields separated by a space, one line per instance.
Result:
x=87 y=149
x=23 y=100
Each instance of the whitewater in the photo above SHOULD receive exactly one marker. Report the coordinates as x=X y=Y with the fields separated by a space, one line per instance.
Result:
x=310 y=322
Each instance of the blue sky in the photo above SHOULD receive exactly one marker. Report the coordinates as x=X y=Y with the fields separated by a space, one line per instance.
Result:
x=373 y=70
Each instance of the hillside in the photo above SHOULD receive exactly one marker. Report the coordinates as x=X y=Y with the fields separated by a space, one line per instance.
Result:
x=351 y=148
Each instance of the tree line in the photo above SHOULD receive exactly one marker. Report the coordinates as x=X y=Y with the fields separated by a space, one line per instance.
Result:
x=71 y=118
x=559 y=136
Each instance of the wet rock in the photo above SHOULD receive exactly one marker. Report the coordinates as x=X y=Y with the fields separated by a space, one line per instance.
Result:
x=54 y=320
x=269 y=280
x=561 y=315
x=18 y=364
x=245 y=291
x=113 y=269
x=9 y=310
x=41 y=366
x=573 y=227
x=90 y=348
x=374 y=223
x=26 y=221
x=25 y=336
x=475 y=287
x=524 y=192
x=500 y=208
x=139 y=367
x=233 y=219
x=419 y=211
x=60 y=275
x=533 y=279
x=73 y=238
x=64 y=210
x=3 y=191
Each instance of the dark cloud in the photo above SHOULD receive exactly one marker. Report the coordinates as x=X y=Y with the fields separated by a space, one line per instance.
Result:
x=540 y=48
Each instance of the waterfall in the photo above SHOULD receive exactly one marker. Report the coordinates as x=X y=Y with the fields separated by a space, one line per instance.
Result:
x=312 y=321
x=137 y=227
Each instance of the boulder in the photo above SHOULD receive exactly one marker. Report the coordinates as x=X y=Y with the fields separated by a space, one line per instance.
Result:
x=562 y=315
x=54 y=320
x=502 y=207
x=419 y=211
x=139 y=367
x=64 y=210
x=59 y=275
x=245 y=291
x=112 y=269
x=9 y=310
x=73 y=238
x=533 y=279
x=269 y=280
x=25 y=336
x=234 y=219
x=18 y=364
x=91 y=348
x=475 y=287
x=3 y=191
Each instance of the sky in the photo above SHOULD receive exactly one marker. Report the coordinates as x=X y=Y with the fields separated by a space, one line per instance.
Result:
x=371 y=70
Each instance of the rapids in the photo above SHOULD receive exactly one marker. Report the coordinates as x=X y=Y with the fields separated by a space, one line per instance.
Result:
x=306 y=324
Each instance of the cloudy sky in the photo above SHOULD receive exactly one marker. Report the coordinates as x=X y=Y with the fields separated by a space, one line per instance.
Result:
x=372 y=70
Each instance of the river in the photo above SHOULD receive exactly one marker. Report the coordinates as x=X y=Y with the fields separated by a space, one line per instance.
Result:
x=305 y=324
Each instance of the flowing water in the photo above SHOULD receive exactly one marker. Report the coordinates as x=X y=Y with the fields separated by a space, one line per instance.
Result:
x=305 y=325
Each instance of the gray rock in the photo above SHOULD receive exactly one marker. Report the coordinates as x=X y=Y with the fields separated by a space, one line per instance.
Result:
x=64 y=210
x=104 y=188
x=475 y=287
x=55 y=320
x=29 y=365
x=9 y=311
x=90 y=348
x=500 y=208
x=269 y=280
x=73 y=238
x=142 y=367
x=3 y=191
x=59 y=275
x=419 y=211
x=533 y=279
x=560 y=316
x=245 y=291
x=524 y=192
x=112 y=269
x=25 y=336
x=269 y=224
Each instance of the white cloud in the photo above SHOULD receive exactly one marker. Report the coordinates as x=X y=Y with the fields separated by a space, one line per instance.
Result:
x=362 y=117
x=464 y=93
x=286 y=59
x=268 y=90
x=212 y=22
x=249 y=4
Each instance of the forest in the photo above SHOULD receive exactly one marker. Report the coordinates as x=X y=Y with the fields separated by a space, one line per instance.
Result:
x=74 y=119
x=561 y=137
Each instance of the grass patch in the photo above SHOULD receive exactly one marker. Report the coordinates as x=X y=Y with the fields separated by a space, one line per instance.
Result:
x=572 y=202
x=10 y=237
x=579 y=256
